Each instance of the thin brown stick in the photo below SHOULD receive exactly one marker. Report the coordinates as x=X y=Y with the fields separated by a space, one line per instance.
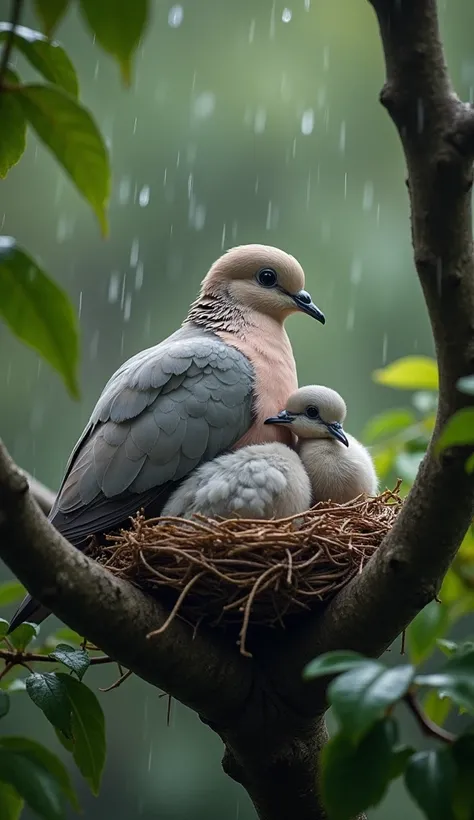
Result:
x=428 y=726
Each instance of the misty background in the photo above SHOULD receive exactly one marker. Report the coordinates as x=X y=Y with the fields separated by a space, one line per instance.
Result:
x=245 y=122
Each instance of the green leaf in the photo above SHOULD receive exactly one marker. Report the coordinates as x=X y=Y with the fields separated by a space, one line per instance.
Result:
x=360 y=697
x=67 y=742
x=13 y=130
x=50 y=13
x=466 y=385
x=11 y=591
x=436 y=706
x=76 y=659
x=118 y=26
x=425 y=629
x=34 y=783
x=458 y=430
x=69 y=131
x=447 y=647
x=387 y=424
x=4 y=627
x=463 y=799
x=38 y=311
x=354 y=778
x=11 y=804
x=47 y=691
x=455 y=679
x=384 y=460
x=58 y=780
x=332 y=663
x=429 y=777
x=88 y=729
x=23 y=635
x=4 y=704
x=49 y=59
x=409 y=373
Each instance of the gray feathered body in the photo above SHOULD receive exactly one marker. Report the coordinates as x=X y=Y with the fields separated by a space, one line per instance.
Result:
x=259 y=481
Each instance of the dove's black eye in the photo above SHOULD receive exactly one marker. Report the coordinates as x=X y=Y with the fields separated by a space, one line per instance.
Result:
x=267 y=277
x=312 y=412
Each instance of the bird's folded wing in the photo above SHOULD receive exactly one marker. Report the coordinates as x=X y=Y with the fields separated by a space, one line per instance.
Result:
x=163 y=412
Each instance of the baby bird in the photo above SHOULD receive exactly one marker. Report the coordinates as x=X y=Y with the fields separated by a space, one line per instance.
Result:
x=257 y=481
x=339 y=467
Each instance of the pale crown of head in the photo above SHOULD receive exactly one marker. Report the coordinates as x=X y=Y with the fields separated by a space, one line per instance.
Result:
x=257 y=277
x=314 y=407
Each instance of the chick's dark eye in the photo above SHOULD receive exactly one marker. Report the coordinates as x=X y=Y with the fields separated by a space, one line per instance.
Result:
x=267 y=277
x=312 y=412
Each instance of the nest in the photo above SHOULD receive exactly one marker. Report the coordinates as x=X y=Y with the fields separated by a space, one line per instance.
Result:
x=241 y=573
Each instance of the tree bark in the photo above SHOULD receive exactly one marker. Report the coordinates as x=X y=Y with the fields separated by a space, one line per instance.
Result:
x=269 y=720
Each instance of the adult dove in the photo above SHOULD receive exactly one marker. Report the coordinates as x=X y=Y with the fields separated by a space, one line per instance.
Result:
x=205 y=389
x=339 y=467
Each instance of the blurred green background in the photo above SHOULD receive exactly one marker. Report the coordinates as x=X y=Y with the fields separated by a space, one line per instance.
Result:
x=246 y=122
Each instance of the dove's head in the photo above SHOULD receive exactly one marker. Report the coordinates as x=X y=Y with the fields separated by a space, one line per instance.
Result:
x=314 y=412
x=260 y=278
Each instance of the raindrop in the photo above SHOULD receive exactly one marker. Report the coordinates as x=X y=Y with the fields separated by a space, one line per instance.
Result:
x=345 y=185
x=308 y=189
x=79 y=308
x=175 y=16
x=356 y=271
x=190 y=186
x=139 y=276
x=134 y=253
x=204 y=105
x=307 y=5
x=286 y=15
x=326 y=58
x=164 y=177
x=252 y=31
x=257 y=184
x=96 y=70
x=234 y=230
x=94 y=345
x=384 y=348
x=122 y=296
x=144 y=196
x=135 y=123
x=307 y=121
x=368 y=196
x=200 y=217
x=321 y=97
x=260 y=121
x=127 y=308
x=223 y=236
x=377 y=217
x=350 y=319
x=342 y=137
x=272 y=22
x=125 y=189
x=268 y=223
x=114 y=287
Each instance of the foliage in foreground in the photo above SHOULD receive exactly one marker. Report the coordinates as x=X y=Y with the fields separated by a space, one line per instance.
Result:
x=36 y=309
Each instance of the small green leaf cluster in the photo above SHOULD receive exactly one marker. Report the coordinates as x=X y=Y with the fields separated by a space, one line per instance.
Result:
x=36 y=309
x=29 y=773
x=366 y=753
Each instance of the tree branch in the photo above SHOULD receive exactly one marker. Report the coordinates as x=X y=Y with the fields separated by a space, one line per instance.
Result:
x=199 y=670
x=437 y=134
x=43 y=496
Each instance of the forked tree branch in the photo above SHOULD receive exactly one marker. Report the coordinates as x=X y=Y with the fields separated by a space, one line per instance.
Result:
x=437 y=134
x=268 y=719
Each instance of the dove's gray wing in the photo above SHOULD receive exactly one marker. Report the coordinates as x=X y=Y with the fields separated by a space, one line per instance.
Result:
x=164 y=412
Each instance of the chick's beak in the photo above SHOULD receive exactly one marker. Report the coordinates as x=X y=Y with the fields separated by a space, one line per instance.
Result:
x=336 y=430
x=283 y=418
x=303 y=301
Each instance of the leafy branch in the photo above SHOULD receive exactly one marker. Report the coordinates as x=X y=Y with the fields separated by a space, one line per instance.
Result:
x=17 y=6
